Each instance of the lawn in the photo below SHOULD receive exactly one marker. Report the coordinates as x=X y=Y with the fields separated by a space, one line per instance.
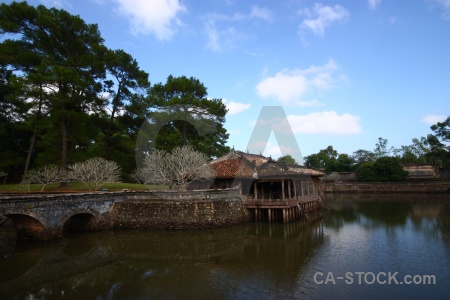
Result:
x=78 y=187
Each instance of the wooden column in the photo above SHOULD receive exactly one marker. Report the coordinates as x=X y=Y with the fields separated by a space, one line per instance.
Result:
x=282 y=189
x=262 y=192
x=269 y=212
x=289 y=189
x=301 y=187
x=284 y=216
x=314 y=187
x=256 y=190
x=295 y=189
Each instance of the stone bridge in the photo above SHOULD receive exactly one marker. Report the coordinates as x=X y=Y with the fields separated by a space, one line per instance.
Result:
x=47 y=216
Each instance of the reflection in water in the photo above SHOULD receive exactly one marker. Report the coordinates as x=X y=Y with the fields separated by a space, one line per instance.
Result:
x=251 y=261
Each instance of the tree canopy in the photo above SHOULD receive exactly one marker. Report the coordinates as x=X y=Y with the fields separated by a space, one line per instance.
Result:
x=287 y=159
x=184 y=115
x=384 y=169
x=62 y=54
x=64 y=95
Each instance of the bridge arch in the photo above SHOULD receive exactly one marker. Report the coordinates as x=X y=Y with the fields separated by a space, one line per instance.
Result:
x=80 y=221
x=28 y=226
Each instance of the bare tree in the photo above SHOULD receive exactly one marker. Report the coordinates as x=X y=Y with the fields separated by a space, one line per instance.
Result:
x=45 y=176
x=138 y=176
x=177 y=168
x=95 y=172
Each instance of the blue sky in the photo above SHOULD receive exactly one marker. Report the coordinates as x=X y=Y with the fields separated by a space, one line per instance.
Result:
x=345 y=72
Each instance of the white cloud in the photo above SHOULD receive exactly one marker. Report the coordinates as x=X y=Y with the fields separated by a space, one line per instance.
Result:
x=61 y=4
x=223 y=35
x=275 y=150
x=327 y=122
x=221 y=39
x=235 y=107
x=321 y=17
x=233 y=131
x=446 y=7
x=262 y=13
x=290 y=86
x=159 y=17
x=433 y=119
x=374 y=3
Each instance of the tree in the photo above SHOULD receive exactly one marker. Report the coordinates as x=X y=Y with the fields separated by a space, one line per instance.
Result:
x=442 y=130
x=287 y=159
x=67 y=55
x=439 y=143
x=325 y=159
x=176 y=168
x=381 y=148
x=95 y=172
x=384 y=169
x=13 y=129
x=128 y=80
x=45 y=176
x=344 y=163
x=361 y=156
x=185 y=116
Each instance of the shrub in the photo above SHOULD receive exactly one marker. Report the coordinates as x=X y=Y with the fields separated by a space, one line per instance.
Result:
x=95 y=172
x=384 y=169
x=366 y=172
x=45 y=176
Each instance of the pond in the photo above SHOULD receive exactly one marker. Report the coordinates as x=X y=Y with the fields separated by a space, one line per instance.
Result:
x=367 y=247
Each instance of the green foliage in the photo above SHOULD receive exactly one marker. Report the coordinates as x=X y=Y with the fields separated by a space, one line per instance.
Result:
x=53 y=87
x=384 y=169
x=330 y=160
x=64 y=54
x=390 y=169
x=184 y=115
x=442 y=130
x=361 y=156
x=287 y=159
x=366 y=172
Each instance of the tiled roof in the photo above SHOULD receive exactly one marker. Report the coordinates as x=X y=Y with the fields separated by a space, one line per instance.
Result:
x=233 y=167
x=273 y=169
x=305 y=171
x=243 y=165
x=259 y=160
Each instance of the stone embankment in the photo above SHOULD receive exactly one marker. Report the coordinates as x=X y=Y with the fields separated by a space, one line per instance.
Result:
x=387 y=187
x=180 y=210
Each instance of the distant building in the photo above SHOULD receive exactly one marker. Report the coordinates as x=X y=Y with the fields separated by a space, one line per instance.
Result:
x=417 y=171
x=261 y=177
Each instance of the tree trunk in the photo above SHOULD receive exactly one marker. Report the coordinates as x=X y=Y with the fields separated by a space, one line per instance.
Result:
x=184 y=141
x=63 y=147
x=108 y=132
x=30 y=151
x=33 y=138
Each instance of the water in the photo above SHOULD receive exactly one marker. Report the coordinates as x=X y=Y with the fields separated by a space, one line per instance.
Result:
x=375 y=235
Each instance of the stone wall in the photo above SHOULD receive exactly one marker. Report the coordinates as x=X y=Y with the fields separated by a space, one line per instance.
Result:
x=183 y=196
x=387 y=187
x=180 y=210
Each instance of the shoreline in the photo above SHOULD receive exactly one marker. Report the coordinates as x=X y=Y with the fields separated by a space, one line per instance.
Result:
x=409 y=187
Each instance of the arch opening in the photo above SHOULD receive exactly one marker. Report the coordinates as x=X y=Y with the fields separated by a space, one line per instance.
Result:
x=26 y=227
x=79 y=223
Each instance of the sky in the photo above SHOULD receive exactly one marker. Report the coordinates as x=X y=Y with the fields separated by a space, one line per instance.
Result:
x=344 y=72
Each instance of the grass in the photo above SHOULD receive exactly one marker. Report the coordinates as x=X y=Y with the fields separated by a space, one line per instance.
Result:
x=78 y=187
